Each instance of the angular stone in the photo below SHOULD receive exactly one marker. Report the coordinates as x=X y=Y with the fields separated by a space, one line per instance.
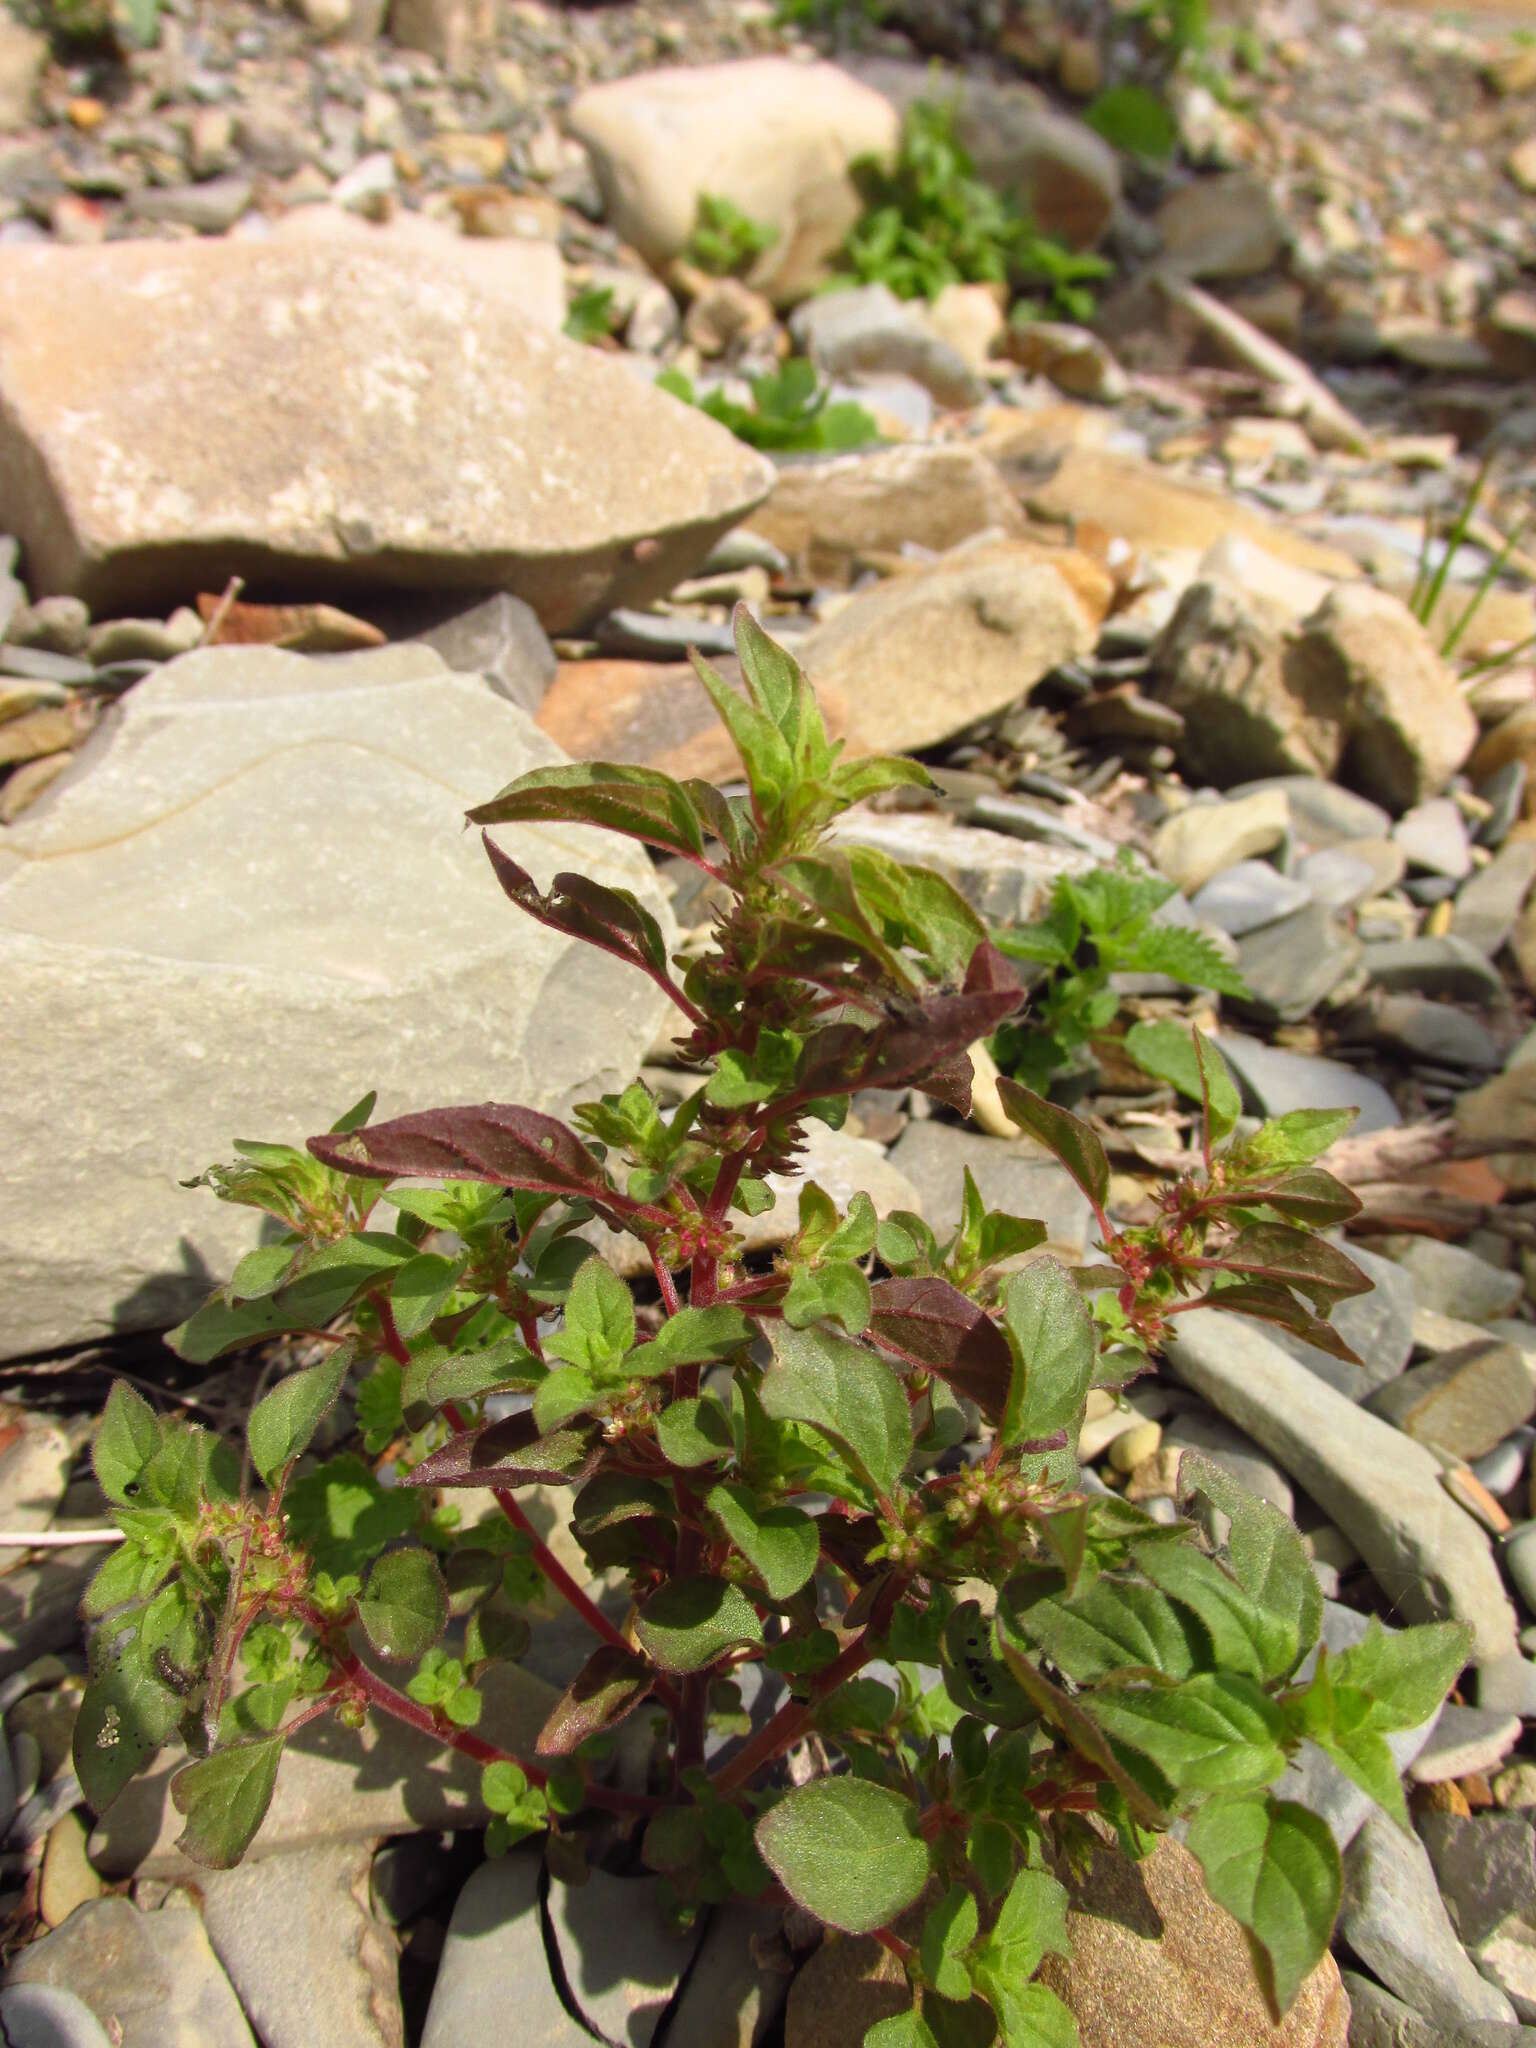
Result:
x=1488 y=907
x=1226 y=226
x=826 y=515
x=869 y=332
x=1342 y=876
x=1012 y=1174
x=658 y=142
x=1248 y=895
x=1410 y=728
x=1323 y=814
x=150 y=1976
x=1278 y=1081
x=1464 y=1740
x=304 y=364
x=302 y=1949
x=1433 y=837
x=270 y=851
x=1292 y=965
x=1378 y=2020
x=1445 y=966
x=1464 y=1401
x=621 y=1955
x=920 y=657
x=1430 y=1558
x=496 y=1941
x=1454 y=1281
x=1394 y=1920
x=212 y=207
x=500 y=639
x=1156 y=1963
x=1441 y=1033
x=650 y=712
x=1203 y=840
x=335 y=1786
x=1222 y=664
x=40 y=1606
x=734 y=1991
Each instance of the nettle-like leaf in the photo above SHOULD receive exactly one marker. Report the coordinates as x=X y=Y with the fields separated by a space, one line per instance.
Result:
x=847 y=1851
x=283 y=1421
x=404 y=1608
x=693 y=1621
x=225 y=1799
x=1273 y=1865
x=1213 y=1732
x=844 y=1390
x=1267 y=1556
x=1295 y=1139
x=1051 y=1332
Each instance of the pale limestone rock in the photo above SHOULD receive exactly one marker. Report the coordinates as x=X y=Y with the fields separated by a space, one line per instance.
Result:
x=175 y=413
x=252 y=899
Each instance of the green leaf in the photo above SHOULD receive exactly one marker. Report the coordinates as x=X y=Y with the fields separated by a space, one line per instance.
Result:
x=1184 y=955
x=692 y=1336
x=141 y=1671
x=1051 y=1331
x=404 y=1608
x=782 y=1544
x=975 y=1676
x=948 y=1932
x=1112 y=1626
x=847 y=1851
x=128 y=1438
x=1406 y=1673
x=1031 y=1925
x=225 y=1799
x=695 y=1431
x=1243 y=1637
x=1288 y=1257
x=283 y=1422
x=1274 y=1867
x=1132 y=118
x=765 y=753
x=599 y=1327
x=1032 y=2016
x=1168 y=1052
x=618 y=796
x=261 y=1271
x=902 y=2030
x=835 y=1291
x=1215 y=1732
x=691 y=1621
x=847 y=1392
x=1075 y=1143
x=1267 y=1556
x=343 y=1515
x=420 y=1288
x=1297 y=1138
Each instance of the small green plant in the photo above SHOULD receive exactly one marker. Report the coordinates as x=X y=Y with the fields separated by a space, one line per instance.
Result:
x=767 y=1450
x=1135 y=119
x=725 y=241
x=841 y=18
x=1430 y=580
x=930 y=221
x=591 y=315
x=791 y=412
x=1097 y=925
x=123 y=24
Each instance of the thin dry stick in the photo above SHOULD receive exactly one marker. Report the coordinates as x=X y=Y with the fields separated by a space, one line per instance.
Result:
x=221 y=610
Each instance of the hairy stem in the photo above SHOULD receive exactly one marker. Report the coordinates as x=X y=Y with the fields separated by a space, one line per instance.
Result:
x=793 y=1720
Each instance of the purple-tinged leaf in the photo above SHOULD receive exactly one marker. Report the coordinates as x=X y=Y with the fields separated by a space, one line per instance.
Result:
x=1267 y=1303
x=499 y=1142
x=1074 y=1142
x=618 y=796
x=935 y=1326
x=920 y=1041
x=1306 y=1193
x=613 y=920
x=1280 y=1254
x=611 y=1684
x=509 y=1453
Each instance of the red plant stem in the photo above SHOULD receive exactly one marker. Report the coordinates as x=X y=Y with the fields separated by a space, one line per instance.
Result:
x=664 y=1281
x=394 y=1343
x=792 y=1720
x=893 y=1942
x=382 y=1696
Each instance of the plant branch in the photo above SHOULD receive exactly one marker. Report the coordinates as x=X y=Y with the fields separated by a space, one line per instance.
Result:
x=794 y=1718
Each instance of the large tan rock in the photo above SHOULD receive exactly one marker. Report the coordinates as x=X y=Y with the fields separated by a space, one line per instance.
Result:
x=525 y=267
x=922 y=656
x=1156 y=1963
x=321 y=419
x=1409 y=726
x=775 y=137
x=825 y=515
x=252 y=899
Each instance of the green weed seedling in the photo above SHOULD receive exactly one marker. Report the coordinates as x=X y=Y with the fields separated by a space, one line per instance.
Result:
x=804 y=1460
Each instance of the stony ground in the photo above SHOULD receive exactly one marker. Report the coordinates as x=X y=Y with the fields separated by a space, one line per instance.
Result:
x=323 y=531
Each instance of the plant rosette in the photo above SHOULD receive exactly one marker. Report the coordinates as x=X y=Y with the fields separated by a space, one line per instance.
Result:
x=803 y=1460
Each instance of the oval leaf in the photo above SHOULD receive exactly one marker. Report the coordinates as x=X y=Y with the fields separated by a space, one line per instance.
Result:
x=1051 y=1330
x=405 y=1607
x=1074 y=1143
x=128 y=1438
x=608 y=1686
x=283 y=1421
x=932 y=1324
x=780 y=1543
x=846 y=1391
x=848 y=1851
x=692 y=1621
x=225 y=1800
x=1273 y=1865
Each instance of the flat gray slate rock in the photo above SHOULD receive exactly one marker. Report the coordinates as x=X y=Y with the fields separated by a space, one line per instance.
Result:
x=1276 y=1081
x=151 y=1976
x=1382 y=1489
x=39 y=2016
x=250 y=900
